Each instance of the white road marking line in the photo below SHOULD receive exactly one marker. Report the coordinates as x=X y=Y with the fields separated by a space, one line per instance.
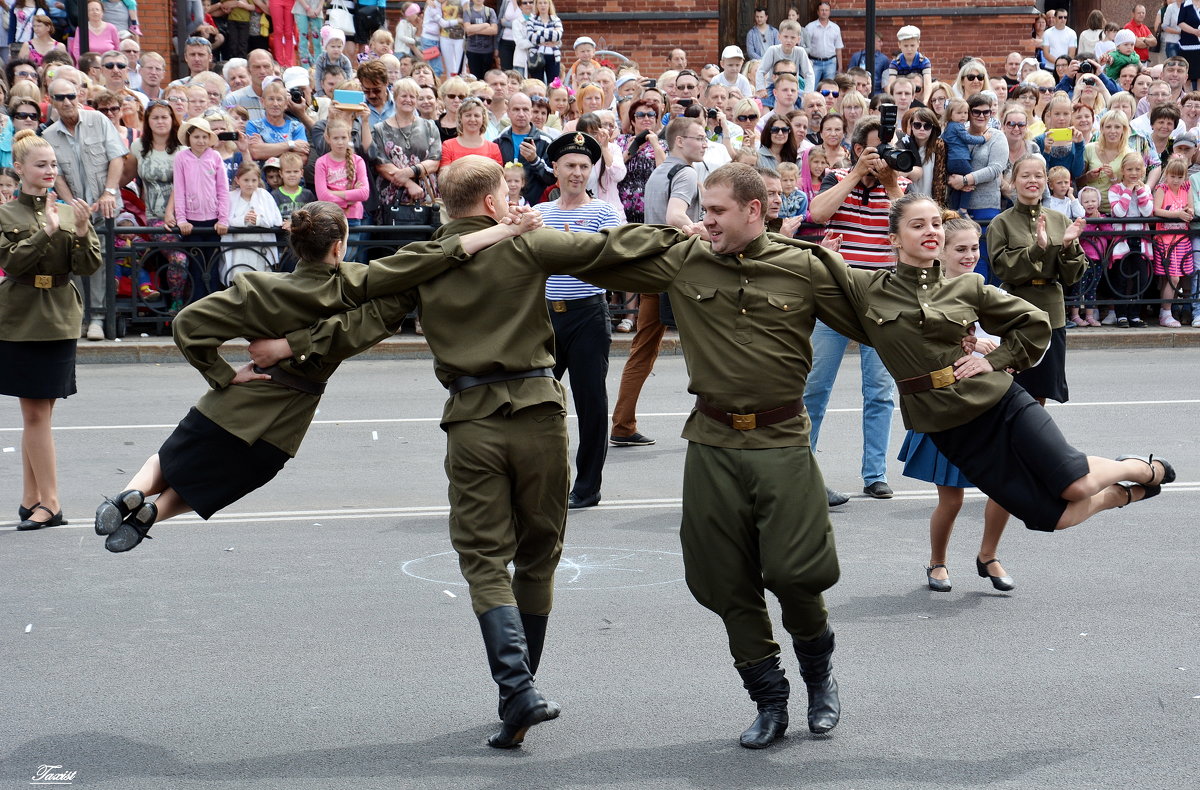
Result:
x=392 y=420
x=441 y=511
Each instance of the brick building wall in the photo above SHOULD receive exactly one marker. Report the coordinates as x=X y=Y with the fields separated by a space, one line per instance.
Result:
x=157 y=21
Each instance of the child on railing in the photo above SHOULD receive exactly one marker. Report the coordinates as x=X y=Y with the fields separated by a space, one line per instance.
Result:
x=1130 y=197
x=1172 y=251
x=1093 y=247
x=124 y=264
x=251 y=206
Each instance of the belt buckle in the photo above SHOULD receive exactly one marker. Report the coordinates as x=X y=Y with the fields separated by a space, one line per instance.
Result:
x=43 y=281
x=942 y=378
x=744 y=422
x=558 y=307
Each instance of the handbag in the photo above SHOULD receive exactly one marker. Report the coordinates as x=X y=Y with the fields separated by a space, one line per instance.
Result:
x=410 y=215
x=535 y=60
x=340 y=18
x=431 y=53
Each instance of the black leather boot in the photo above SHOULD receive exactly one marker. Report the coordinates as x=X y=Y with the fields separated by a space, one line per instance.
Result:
x=535 y=639
x=816 y=667
x=769 y=689
x=522 y=704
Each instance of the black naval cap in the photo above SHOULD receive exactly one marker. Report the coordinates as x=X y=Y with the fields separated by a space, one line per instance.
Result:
x=573 y=143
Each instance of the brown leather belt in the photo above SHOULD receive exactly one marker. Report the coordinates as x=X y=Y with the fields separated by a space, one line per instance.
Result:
x=290 y=380
x=748 y=422
x=566 y=305
x=927 y=381
x=41 y=280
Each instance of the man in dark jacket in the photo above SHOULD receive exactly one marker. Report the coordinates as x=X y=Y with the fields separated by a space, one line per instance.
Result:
x=525 y=143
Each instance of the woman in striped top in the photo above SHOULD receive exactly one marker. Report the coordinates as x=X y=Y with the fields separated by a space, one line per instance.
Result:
x=545 y=32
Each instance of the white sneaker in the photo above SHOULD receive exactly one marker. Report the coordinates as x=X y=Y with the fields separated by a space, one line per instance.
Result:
x=1109 y=319
x=95 y=331
x=1196 y=323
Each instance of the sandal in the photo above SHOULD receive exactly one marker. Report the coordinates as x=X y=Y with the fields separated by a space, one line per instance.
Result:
x=1152 y=488
x=23 y=513
x=113 y=511
x=133 y=529
x=55 y=520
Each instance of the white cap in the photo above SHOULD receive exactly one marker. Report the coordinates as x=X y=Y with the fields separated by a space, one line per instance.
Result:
x=907 y=32
x=296 y=77
x=583 y=40
x=1124 y=36
x=732 y=51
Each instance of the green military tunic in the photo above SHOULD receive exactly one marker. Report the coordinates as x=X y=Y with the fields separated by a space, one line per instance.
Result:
x=266 y=305
x=1028 y=271
x=29 y=313
x=916 y=319
x=506 y=456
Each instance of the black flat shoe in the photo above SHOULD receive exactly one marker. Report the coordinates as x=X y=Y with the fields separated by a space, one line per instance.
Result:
x=1002 y=583
x=1151 y=488
x=55 y=520
x=937 y=585
x=113 y=511
x=23 y=513
x=835 y=498
x=575 y=502
x=133 y=529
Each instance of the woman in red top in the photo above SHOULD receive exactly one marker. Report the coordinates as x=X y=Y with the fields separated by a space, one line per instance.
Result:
x=470 y=140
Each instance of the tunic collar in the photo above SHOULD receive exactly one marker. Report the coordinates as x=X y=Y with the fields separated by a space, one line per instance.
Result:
x=754 y=249
x=1032 y=211
x=33 y=201
x=317 y=269
x=916 y=274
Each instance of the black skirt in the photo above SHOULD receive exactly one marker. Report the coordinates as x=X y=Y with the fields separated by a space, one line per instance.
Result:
x=210 y=468
x=37 y=368
x=1017 y=456
x=1048 y=378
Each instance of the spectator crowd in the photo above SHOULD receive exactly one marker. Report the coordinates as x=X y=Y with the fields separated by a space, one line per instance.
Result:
x=287 y=102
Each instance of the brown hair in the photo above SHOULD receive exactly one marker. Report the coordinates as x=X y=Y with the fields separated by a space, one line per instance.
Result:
x=315 y=228
x=464 y=182
x=743 y=181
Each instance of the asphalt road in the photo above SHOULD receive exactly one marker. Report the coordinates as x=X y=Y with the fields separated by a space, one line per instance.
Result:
x=318 y=634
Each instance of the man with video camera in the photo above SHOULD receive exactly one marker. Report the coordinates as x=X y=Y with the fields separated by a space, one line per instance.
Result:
x=853 y=203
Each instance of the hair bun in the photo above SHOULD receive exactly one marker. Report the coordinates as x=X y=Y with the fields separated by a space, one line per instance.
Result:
x=948 y=215
x=24 y=134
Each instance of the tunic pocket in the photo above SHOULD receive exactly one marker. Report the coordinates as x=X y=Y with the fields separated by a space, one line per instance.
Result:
x=785 y=302
x=699 y=293
x=880 y=316
x=964 y=317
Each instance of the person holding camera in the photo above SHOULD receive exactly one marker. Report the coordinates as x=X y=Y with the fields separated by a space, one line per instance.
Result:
x=853 y=204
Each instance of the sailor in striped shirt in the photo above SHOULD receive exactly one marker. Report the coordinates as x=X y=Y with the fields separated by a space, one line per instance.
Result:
x=579 y=311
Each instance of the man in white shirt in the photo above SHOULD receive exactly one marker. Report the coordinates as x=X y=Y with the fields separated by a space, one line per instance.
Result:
x=1060 y=40
x=823 y=42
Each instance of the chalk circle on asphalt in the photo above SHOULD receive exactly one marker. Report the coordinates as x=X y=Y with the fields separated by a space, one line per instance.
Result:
x=580 y=568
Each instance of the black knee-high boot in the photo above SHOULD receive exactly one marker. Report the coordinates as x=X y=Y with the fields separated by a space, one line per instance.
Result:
x=522 y=704
x=816 y=667
x=535 y=637
x=769 y=688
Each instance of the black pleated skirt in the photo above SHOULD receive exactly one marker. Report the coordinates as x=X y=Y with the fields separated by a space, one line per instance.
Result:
x=37 y=368
x=1048 y=379
x=211 y=468
x=1017 y=456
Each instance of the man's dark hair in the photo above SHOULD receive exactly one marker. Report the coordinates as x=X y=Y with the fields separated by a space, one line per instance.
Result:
x=333 y=69
x=863 y=129
x=11 y=68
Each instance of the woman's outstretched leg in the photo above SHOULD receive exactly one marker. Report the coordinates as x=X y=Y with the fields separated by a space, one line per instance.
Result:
x=995 y=519
x=1098 y=490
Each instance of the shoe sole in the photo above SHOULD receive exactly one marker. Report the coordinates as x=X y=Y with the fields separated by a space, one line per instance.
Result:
x=627 y=443
x=109 y=515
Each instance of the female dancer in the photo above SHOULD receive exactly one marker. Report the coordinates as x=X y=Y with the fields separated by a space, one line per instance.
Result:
x=42 y=245
x=984 y=424
x=922 y=460
x=1033 y=257
x=243 y=430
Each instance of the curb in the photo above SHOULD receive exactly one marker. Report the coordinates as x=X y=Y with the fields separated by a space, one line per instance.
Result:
x=160 y=350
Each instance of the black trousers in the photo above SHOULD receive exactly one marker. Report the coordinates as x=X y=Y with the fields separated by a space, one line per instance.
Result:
x=581 y=341
x=507 y=50
x=480 y=63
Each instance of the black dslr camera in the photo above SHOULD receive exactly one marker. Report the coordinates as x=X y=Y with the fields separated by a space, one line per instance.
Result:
x=898 y=159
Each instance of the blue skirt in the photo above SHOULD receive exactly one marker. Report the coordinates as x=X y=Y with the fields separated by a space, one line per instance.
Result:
x=923 y=461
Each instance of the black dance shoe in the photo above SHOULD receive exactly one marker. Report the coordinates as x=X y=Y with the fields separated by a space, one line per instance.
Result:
x=835 y=498
x=133 y=529
x=937 y=585
x=1151 y=488
x=1002 y=583
x=575 y=502
x=23 y=513
x=55 y=520
x=113 y=511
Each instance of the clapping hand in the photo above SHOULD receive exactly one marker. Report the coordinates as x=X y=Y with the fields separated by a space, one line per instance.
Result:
x=1043 y=240
x=52 y=219
x=1073 y=231
x=833 y=243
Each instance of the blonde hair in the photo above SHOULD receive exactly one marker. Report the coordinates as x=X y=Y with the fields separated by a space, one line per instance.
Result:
x=788 y=170
x=952 y=104
x=1132 y=157
x=1176 y=166
x=465 y=182
x=25 y=142
x=1118 y=117
x=351 y=171
x=382 y=36
x=407 y=86
x=1058 y=171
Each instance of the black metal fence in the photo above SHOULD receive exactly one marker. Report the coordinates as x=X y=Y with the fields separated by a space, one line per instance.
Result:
x=153 y=272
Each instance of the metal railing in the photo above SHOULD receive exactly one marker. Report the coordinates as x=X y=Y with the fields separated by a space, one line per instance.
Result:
x=178 y=269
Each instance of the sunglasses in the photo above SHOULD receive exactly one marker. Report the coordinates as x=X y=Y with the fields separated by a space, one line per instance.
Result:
x=640 y=114
x=456 y=96
x=27 y=75
x=980 y=112
x=827 y=92
x=745 y=118
x=920 y=125
x=109 y=110
x=1015 y=124
x=25 y=116
x=974 y=77
x=1045 y=90
x=65 y=96
x=116 y=65
x=781 y=73
x=781 y=130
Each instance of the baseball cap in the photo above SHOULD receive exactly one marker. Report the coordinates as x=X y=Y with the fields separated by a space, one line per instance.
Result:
x=295 y=77
x=732 y=51
x=583 y=40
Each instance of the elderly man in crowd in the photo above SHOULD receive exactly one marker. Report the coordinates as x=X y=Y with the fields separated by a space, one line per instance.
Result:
x=91 y=156
x=261 y=66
